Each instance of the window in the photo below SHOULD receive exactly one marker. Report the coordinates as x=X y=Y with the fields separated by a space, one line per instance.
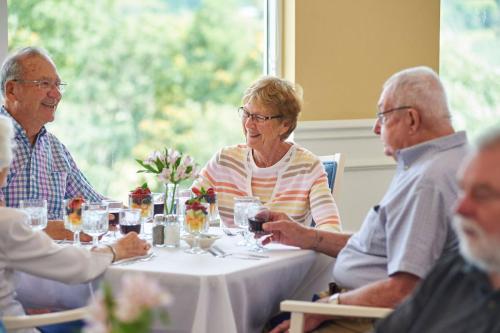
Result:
x=470 y=61
x=144 y=75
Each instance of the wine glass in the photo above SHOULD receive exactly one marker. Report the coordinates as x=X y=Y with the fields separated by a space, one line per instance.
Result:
x=257 y=215
x=73 y=217
x=37 y=211
x=241 y=219
x=195 y=220
x=130 y=220
x=95 y=220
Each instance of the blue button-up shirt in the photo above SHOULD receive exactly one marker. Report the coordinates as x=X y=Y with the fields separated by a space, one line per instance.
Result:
x=44 y=170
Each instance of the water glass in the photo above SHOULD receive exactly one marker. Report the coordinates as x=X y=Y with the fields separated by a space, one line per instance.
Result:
x=37 y=211
x=241 y=219
x=95 y=220
x=72 y=212
x=183 y=195
x=130 y=220
x=159 y=203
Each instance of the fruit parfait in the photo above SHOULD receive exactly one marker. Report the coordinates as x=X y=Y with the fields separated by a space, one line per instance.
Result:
x=73 y=217
x=209 y=196
x=195 y=222
x=142 y=198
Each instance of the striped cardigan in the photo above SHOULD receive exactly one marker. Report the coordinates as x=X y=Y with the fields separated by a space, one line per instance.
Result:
x=300 y=185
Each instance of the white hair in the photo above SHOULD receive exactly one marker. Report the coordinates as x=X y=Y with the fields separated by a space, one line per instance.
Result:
x=6 y=141
x=421 y=88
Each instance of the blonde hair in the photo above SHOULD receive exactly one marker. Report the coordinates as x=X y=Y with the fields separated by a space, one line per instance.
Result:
x=6 y=142
x=277 y=95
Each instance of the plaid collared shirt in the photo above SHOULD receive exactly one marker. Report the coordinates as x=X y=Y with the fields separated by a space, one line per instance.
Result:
x=43 y=171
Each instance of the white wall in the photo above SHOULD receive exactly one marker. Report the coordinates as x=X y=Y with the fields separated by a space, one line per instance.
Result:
x=3 y=30
x=368 y=171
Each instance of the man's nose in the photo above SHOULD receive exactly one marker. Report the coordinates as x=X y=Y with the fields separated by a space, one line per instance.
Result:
x=376 y=127
x=464 y=206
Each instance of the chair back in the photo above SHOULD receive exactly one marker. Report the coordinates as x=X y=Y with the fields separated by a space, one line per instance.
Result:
x=32 y=321
x=334 y=168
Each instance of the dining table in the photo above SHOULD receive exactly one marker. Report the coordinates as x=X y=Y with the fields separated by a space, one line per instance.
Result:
x=238 y=292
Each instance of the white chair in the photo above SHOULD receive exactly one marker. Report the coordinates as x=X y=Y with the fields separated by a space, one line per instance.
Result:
x=31 y=321
x=334 y=167
x=299 y=308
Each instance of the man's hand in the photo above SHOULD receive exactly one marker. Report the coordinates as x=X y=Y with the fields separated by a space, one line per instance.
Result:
x=131 y=246
x=311 y=321
x=286 y=231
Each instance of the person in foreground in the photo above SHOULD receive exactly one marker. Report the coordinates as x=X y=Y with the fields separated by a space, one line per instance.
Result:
x=404 y=235
x=462 y=293
x=285 y=176
x=42 y=166
x=33 y=252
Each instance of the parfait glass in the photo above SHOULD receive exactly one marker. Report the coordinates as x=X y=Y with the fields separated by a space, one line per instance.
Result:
x=144 y=202
x=95 y=220
x=241 y=219
x=73 y=217
x=195 y=221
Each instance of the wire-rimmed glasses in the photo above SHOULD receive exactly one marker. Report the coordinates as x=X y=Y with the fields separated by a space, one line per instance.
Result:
x=45 y=84
x=381 y=115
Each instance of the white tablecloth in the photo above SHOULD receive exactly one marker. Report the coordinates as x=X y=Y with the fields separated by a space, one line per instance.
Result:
x=213 y=295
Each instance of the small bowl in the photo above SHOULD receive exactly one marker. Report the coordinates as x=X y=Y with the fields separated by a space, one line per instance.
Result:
x=206 y=240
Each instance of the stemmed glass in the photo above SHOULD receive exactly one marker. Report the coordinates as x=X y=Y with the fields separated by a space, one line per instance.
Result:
x=241 y=219
x=73 y=217
x=37 y=211
x=95 y=220
x=257 y=215
x=114 y=208
x=195 y=220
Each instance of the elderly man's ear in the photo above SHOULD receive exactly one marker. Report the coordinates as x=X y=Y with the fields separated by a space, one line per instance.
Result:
x=414 y=120
x=9 y=90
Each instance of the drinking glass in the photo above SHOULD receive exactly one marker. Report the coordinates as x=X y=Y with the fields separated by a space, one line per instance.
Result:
x=195 y=220
x=183 y=195
x=130 y=220
x=257 y=215
x=159 y=203
x=37 y=211
x=114 y=208
x=72 y=213
x=95 y=220
x=241 y=219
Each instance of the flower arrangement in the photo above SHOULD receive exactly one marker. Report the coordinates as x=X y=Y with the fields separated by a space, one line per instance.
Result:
x=135 y=308
x=171 y=167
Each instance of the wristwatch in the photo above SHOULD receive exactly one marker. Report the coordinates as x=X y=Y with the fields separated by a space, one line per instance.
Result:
x=334 y=299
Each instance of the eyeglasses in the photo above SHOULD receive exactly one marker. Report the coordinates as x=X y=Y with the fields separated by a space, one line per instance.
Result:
x=46 y=84
x=244 y=114
x=380 y=115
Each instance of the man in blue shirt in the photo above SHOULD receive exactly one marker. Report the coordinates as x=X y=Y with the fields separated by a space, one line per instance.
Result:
x=462 y=293
x=410 y=228
x=42 y=166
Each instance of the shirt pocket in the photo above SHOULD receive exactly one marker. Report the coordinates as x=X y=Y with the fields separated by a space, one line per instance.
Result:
x=371 y=236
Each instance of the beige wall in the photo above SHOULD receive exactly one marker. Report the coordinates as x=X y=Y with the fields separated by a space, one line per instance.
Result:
x=341 y=51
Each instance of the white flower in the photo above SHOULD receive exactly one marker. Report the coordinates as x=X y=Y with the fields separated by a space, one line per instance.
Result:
x=164 y=175
x=152 y=158
x=173 y=155
x=188 y=160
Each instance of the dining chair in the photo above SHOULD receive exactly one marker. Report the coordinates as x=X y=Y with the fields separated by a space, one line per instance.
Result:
x=31 y=321
x=334 y=167
x=299 y=308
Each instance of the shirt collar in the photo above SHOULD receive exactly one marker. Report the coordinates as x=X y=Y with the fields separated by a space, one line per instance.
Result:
x=407 y=156
x=18 y=129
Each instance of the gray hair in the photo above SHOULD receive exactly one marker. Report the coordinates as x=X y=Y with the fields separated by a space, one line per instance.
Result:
x=11 y=67
x=6 y=141
x=421 y=88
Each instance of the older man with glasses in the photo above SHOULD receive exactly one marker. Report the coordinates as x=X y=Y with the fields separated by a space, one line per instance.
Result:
x=42 y=166
x=410 y=228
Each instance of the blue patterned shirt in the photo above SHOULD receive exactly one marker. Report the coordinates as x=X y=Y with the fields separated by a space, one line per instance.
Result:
x=45 y=170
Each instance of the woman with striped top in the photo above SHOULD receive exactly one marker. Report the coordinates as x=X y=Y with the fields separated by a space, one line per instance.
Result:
x=286 y=177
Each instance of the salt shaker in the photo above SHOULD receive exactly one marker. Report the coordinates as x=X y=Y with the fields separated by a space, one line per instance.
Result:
x=172 y=231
